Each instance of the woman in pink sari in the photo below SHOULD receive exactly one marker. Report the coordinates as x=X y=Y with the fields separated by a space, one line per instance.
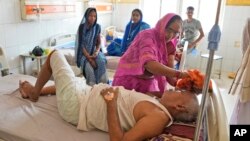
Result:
x=148 y=63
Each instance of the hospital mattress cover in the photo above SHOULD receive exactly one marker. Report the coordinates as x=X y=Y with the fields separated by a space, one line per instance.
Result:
x=22 y=120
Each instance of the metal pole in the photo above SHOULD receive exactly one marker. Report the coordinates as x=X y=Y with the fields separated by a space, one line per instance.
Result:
x=213 y=38
x=205 y=96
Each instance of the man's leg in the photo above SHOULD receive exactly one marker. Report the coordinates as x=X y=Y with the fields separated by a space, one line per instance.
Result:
x=33 y=92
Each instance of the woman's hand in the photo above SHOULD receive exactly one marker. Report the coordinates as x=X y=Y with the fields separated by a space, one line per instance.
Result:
x=93 y=63
x=110 y=94
x=184 y=74
x=95 y=54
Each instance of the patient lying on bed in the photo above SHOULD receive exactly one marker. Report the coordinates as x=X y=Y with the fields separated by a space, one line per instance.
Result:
x=126 y=115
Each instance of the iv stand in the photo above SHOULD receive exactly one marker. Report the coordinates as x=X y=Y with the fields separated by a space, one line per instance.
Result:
x=213 y=41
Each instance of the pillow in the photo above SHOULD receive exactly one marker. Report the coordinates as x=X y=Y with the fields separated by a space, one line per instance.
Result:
x=66 y=45
x=178 y=132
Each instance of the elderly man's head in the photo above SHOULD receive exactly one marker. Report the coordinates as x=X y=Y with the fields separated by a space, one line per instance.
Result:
x=183 y=106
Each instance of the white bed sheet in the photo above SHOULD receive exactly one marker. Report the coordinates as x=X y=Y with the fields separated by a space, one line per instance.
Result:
x=22 y=120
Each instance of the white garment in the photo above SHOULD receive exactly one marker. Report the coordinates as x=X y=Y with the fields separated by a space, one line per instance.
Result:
x=246 y=36
x=93 y=115
x=68 y=88
x=81 y=104
x=241 y=83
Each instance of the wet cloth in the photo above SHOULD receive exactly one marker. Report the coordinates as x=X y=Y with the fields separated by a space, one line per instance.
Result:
x=148 y=45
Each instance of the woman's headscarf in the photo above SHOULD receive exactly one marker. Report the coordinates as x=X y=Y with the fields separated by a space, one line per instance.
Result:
x=132 y=29
x=88 y=40
x=148 y=45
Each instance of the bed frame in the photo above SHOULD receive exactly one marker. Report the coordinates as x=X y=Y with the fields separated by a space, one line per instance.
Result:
x=60 y=42
x=61 y=39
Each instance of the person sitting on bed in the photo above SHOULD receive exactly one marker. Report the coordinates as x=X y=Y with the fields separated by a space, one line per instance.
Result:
x=87 y=52
x=135 y=25
x=147 y=65
x=126 y=115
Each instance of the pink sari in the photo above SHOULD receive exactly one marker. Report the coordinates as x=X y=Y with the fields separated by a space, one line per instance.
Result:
x=148 y=45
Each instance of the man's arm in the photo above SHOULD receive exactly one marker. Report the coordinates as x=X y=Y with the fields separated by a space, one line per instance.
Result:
x=98 y=44
x=150 y=122
x=115 y=131
x=147 y=125
x=194 y=43
x=48 y=90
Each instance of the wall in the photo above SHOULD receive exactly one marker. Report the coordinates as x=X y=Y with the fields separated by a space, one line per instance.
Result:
x=229 y=47
x=126 y=1
x=18 y=37
x=122 y=14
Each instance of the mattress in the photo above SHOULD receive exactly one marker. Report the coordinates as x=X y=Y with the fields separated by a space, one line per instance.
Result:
x=22 y=120
x=112 y=61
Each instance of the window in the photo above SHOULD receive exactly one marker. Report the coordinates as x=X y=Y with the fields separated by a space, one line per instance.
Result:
x=151 y=16
x=205 y=10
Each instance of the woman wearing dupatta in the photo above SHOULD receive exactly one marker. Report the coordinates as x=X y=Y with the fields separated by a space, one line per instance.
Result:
x=135 y=25
x=241 y=83
x=87 y=51
x=148 y=63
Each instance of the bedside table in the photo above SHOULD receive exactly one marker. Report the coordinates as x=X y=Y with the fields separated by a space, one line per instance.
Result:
x=37 y=58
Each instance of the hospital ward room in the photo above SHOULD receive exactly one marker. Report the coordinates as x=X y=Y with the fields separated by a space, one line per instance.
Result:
x=124 y=70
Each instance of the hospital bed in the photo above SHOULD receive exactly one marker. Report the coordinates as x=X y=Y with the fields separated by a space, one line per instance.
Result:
x=22 y=120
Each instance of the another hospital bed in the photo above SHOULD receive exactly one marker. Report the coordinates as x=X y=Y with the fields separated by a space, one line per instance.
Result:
x=22 y=120
x=66 y=43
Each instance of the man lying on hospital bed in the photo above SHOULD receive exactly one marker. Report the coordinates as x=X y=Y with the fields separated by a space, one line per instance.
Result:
x=126 y=115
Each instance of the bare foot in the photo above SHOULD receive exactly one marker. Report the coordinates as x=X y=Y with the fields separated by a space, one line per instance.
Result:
x=26 y=90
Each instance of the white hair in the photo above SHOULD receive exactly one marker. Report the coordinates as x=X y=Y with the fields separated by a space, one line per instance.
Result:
x=192 y=106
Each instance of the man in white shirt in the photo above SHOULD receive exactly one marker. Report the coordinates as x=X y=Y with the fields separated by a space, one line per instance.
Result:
x=126 y=115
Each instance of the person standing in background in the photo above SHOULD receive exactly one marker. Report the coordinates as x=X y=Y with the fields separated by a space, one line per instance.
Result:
x=87 y=50
x=191 y=31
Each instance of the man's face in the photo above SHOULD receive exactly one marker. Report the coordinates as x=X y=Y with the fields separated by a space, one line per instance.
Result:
x=190 y=14
x=173 y=98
